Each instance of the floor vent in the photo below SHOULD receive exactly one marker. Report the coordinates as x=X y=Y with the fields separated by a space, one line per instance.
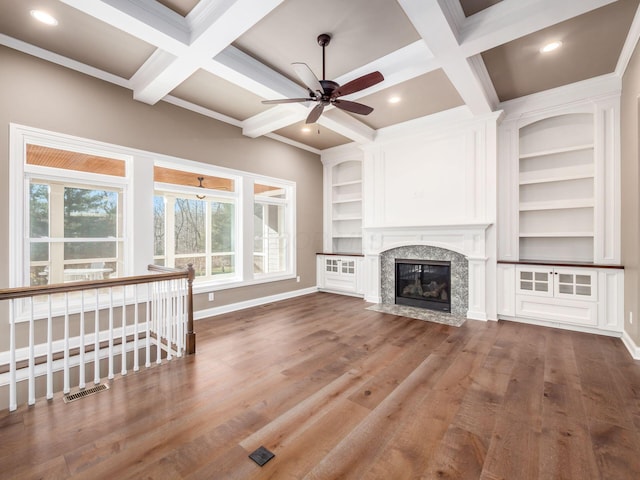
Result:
x=261 y=456
x=72 y=397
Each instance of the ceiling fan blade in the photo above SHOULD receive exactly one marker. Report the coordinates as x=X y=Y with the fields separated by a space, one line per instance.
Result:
x=287 y=100
x=358 y=84
x=353 y=107
x=308 y=77
x=315 y=113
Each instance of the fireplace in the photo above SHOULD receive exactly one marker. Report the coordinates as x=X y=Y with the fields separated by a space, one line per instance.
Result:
x=423 y=284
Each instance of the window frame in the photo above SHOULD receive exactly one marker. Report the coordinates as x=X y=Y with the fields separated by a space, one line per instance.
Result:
x=183 y=191
x=288 y=236
x=21 y=175
x=139 y=188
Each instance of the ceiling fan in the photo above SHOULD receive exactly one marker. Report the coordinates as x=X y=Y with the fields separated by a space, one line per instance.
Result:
x=327 y=92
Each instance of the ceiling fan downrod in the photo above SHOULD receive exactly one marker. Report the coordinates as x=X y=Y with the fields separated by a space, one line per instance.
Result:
x=323 y=41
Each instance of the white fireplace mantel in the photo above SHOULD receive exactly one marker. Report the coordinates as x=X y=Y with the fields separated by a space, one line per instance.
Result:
x=469 y=239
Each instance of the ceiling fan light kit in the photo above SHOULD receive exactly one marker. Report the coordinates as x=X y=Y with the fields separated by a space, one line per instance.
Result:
x=327 y=92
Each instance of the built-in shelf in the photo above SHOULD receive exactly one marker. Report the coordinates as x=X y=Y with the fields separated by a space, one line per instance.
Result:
x=557 y=204
x=347 y=235
x=344 y=206
x=557 y=174
x=554 y=151
x=556 y=188
x=555 y=234
x=346 y=184
x=346 y=200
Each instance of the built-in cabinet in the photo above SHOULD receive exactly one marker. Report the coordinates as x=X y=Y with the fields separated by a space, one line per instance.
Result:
x=559 y=217
x=343 y=201
x=587 y=298
x=559 y=184
x=345 y=204
x=340 y=274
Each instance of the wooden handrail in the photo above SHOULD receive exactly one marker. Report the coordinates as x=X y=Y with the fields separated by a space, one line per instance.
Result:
x=164 y=273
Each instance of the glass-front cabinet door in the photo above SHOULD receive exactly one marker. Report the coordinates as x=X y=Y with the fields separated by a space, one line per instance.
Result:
x=534 y=281
x=578 y=284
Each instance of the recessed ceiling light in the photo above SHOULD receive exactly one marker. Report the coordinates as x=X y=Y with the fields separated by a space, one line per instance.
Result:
x=44 y=17
x=306 y=129
x=550 y=47
x=394 y=99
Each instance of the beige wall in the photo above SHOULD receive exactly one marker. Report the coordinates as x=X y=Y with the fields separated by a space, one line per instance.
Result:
x=631 y=193
x=43 y=95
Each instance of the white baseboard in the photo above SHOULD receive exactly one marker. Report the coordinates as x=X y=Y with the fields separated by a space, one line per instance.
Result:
x=233 y=307
x=634 y=349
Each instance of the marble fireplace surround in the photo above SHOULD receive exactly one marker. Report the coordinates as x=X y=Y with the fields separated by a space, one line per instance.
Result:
x=464 y=245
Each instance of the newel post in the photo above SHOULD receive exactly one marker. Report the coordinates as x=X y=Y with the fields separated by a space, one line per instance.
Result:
x=191 y=335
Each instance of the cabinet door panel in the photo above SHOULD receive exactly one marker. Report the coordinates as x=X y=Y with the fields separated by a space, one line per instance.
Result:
x=575 y=284
x=534 y=281
x=559 y=310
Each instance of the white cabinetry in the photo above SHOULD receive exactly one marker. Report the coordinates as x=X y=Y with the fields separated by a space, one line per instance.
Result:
x=559 y=184
x=343 y=200
x=346 y=207
x=340 y=274
x=556 y=189
x=580 y=298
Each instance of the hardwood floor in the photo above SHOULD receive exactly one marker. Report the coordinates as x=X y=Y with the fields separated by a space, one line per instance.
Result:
x=340 y=392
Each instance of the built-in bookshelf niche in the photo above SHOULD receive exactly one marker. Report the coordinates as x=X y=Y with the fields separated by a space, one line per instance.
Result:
x=346 y=207
x=556 y=189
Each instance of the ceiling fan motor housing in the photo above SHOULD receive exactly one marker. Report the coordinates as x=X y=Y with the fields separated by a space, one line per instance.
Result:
x=324 y=39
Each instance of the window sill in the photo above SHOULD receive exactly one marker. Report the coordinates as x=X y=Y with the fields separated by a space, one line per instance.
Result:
x=212 y=286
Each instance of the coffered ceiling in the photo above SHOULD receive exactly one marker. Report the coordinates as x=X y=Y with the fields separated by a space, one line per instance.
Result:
x=221 y=58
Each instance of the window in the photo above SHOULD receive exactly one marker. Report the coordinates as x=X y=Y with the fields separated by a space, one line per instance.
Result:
x=85 y=210
x=272 y=230
x=74 y=216
x=195 y=222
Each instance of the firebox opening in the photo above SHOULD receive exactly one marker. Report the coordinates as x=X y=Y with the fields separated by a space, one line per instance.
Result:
x=424 y=284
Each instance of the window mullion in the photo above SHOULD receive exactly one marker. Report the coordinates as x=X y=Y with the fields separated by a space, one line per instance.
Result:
x=169 y=231
x=56 y=230
x=207 y=242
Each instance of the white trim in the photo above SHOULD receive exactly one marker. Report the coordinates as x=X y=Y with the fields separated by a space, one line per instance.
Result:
x=634 y=349
x=563 y=326
x=629 y=45
x=293 y=143
x=234 y=307
x=66 y=62
x=207 y=112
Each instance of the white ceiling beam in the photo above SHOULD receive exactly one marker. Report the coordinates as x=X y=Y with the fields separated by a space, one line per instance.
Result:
x=216 y=28
x=436 y=25
x=347 y=126
x=511 y=19
x=273 y=119
x=237 y=67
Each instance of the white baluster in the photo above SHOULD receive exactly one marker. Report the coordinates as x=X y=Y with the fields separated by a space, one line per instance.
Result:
x=169 y=316
x=147 y=339
x=49 y=350
x=81 y=366
x=136 y=355
x=123 y=369
x=110 y=375
x=157 y=324
x=96 y=341
x=66 y=388
x=13 y=404
x=32 y=378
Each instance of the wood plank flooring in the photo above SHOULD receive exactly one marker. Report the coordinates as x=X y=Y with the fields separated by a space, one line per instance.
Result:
x=340 y=392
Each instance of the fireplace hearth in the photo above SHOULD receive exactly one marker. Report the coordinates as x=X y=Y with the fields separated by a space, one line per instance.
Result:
x=423 y=284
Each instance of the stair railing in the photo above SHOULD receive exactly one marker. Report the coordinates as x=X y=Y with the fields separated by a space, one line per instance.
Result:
x=65 y=327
